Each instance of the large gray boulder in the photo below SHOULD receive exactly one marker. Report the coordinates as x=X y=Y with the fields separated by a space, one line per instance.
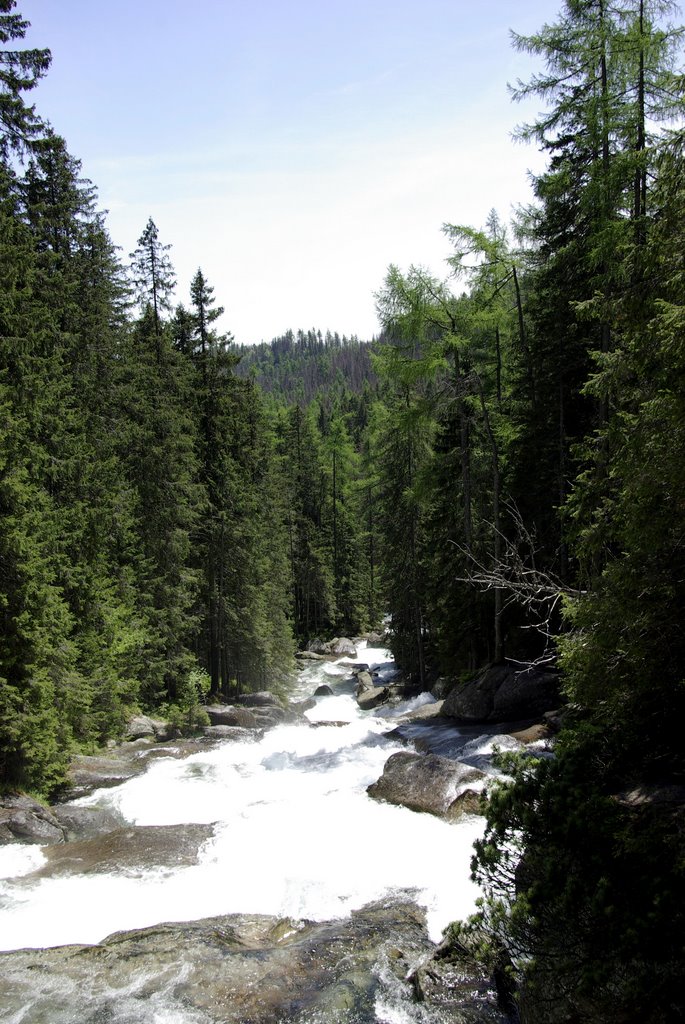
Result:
x=342 y=647
x=372 y=698
x=364 y=682
x=429 y=783
x=25 y=820
x=503 y=693
x=228 y=714
x=86 y=822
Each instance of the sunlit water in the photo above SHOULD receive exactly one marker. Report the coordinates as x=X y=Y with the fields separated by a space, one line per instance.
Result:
x=296 y=835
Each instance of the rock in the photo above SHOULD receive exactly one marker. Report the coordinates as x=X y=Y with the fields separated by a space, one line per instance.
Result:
x=25 y=820
x=86 y=822
x=355 y=667
x=132 y=849
x=260 y=699
x=372 y=698
x=462 y=988
x=303 y=705
x=274 y=715
x=442 y=687
x=323 y=691
x=87 y=772
x=503 y=693
x=653 y=796
x=533 y=733
x=422 y=714
x=320 y=647
x=525 y=694
x=341 y=646
x=310 y=656
x=426 y=782
x=228 y=714
x=238 y=969
x=364 y=682
x=230 y=732
x=138 y=727
x=375 y=639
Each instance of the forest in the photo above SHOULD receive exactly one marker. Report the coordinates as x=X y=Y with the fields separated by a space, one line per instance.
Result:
x=500 y=473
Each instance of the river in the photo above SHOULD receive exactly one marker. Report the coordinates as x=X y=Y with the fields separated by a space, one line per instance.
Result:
x=294 y=834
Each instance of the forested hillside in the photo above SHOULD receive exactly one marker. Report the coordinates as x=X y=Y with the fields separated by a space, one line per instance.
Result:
x=307 y=365
x=503 y=477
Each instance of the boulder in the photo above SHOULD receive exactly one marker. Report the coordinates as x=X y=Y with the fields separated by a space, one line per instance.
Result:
x=502 y=693
x=133 y=849
x=88 y=772
x=303 y=705
x=310 y=656
x=429 y=783
x=86 y=822
x=323 y=691
x=442 y=686
x=238 y=969
x=341 y=646
x=25 y=820
x=422 y=714
x=364 y=682
x=229 y=732
x=260 y=699
x=320 y=647
x=375 y=639
x=372 y=698
x=533 y=734
x=228 y=714
x=138 y=727
x=267 y=717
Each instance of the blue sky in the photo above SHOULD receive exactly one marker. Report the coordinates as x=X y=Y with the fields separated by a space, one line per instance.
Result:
x=293 y=150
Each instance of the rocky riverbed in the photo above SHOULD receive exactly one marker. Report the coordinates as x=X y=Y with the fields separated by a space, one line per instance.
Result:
x=269 y=808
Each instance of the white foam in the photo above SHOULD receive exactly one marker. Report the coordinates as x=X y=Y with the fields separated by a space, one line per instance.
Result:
x=296 y=835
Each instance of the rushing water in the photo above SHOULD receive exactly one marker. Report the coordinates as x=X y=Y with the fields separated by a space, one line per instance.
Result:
x=295 y=834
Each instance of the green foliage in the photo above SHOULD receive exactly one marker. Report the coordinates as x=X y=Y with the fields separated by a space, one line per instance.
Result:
x=186 y=715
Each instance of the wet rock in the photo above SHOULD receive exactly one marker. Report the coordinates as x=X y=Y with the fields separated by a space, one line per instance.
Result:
x=355 y=667
x=267 y=717
x=323 y=691
x=423 y=714
x=86 y=822
x=230 y=732
x=373 y=698
x=131 y=850
x=260 y=699
x=364 y=682
x=461 y=987
x=25 y=820
x=310 y=656
x=87 y=772
x=228 y=714
x=304 y=705
x=503 y=693
x=238 y=969
x=428 y=783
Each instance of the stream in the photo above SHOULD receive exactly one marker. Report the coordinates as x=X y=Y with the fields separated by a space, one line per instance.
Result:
x=293 y=834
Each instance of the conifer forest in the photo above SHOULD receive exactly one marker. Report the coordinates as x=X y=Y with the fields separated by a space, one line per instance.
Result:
x=500 y=474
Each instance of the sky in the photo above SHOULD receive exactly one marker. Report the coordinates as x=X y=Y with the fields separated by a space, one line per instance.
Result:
x=293 y=150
